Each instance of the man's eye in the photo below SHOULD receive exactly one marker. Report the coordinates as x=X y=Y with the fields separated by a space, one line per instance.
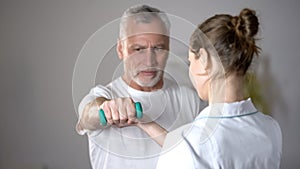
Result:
x=158 y=48
x=138 y=49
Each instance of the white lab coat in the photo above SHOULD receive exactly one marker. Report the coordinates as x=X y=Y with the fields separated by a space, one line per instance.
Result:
x=228 y=136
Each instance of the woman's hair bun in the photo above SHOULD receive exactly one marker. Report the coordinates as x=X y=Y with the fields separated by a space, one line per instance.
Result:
x=246 y=23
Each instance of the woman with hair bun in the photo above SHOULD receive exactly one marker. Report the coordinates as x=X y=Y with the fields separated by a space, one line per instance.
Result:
x=230 y=133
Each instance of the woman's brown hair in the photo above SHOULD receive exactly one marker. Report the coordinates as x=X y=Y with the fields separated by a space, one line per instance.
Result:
x=232 y=37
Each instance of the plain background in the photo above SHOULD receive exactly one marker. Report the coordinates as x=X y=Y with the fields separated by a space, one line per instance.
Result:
x=40 y=41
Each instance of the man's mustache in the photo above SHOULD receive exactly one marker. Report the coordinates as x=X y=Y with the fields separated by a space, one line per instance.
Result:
x=147 y=69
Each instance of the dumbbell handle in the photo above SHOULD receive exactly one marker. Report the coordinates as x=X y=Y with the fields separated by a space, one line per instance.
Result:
x=138 y=109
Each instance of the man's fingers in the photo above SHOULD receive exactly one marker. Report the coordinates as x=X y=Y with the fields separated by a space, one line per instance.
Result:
x=107 y=111
x=119 y=111
x=123 y=115
x=115 y=115
x=131 y=113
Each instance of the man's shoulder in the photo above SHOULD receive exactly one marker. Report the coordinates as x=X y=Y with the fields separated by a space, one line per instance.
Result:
x=116 y=83
x=108 y=89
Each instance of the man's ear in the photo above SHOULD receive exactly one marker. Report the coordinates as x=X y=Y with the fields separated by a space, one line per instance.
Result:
x=120 y=49
x=204 y=58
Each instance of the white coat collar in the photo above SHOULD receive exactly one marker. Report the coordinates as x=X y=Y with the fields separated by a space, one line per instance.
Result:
x=224 y=110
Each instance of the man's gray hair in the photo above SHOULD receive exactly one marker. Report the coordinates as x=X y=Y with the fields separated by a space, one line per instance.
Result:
x=142 y=14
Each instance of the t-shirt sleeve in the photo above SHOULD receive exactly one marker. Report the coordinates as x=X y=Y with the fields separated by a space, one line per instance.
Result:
x=98 y=91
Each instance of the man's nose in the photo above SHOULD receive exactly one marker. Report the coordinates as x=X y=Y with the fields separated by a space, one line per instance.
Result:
x=150 y=59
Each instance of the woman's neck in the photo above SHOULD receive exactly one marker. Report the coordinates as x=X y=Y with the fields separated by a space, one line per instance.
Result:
x=234 y=89
x=228 y=90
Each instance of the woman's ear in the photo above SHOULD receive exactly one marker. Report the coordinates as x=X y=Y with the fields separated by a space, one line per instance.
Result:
x=204 y=59
x=120 y=49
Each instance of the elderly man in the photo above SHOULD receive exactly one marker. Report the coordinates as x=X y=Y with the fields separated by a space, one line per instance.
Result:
x=143 y=47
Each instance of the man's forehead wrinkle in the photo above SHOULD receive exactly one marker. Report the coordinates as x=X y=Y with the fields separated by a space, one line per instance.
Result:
x=144 y=41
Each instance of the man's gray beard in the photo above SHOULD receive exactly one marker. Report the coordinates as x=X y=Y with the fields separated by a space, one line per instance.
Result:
x=152 y=83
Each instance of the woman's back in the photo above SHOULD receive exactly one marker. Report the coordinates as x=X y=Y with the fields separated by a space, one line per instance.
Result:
x=239 y=138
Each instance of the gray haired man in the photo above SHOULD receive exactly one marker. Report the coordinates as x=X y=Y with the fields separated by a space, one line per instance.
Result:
x=143 y=46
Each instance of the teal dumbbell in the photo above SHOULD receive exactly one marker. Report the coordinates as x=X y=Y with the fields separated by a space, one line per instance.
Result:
x=138 y=109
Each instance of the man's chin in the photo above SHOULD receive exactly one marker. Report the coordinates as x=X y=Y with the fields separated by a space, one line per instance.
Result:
x=147 y=82
x=148 y=79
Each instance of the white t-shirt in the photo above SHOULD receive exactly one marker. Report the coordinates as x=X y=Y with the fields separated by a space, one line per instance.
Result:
x=229 y=136
x=130 y=147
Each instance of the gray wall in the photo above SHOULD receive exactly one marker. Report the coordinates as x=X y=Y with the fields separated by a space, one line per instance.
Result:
x=40 y=41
